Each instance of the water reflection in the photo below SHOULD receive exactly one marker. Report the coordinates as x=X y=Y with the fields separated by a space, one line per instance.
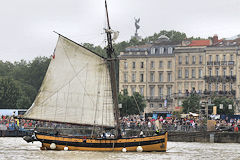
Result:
x=17 y=149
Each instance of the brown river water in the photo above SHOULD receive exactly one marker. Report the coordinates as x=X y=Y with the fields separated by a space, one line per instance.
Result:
x=18 y=149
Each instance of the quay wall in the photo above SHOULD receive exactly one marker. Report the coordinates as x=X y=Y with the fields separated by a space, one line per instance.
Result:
x=203 y=136
x=13 y=133
x=175 y=136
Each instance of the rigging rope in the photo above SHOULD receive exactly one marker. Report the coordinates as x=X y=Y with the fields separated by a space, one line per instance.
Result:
x=77 y=76
x=96 y=105
x=136 y=104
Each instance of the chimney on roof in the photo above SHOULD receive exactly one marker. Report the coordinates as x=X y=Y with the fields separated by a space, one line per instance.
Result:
x=215 y=39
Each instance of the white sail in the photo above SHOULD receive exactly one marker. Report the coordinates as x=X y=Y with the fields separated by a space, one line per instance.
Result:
x=76 y=88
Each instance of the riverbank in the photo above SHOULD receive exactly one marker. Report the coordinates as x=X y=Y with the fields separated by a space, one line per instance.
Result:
x=174 y=136
x=13 y=133
x=212 y=137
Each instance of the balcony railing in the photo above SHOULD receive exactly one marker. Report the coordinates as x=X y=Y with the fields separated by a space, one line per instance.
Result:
x=159 y=98
x=220 y=79
x=230 y=62
x=224 y=63
x=206 y=93
x=232 y=92
x=186 y=94
x=209 y=63
x=217 y=63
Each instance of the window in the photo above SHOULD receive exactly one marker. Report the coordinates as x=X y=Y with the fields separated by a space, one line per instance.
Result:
x=180 y=60
x=133 y=89
x=125 y=77
x=193 y=73
x=180 y=73
x=224 y=72
x=169 y=76
x=169 y=91
x=231 y=86
x=210 y=71
x=152 y=50
x=179 y=87
x=209 y=87
x=224 y=57
x=217 y=58
x=169 y=64
x=186 y=85
x=217 y=72
x=160 y=76
x=125 y=65
x=216 y=87
x=161 y=50
x=210 y=58
x=231 y=72
x=200 y=87
x=186 y=60
x=142 y=65
x=170 y=50
x=151 y=105
x=160 y=92
x=200 y=73
x=142 y=90
x=133 y=65
x=224 y=87
x=141 y=77
x=200 y=59
x=186 y=73
x=160 y=64
x=193 y=84
x=152 y=91
x=152 y=78
x=152 y=64
x=133 y=77
x=231 y=57
x=193 y=59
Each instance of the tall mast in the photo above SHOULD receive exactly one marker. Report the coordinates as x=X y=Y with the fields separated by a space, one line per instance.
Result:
x=112 y=70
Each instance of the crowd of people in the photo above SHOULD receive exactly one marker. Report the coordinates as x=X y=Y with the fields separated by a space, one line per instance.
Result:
x=169 y=123
x=186 y=124
x=138 y=122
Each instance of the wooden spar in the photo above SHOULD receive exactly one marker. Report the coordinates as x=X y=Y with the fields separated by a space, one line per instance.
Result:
x=112 y=71
x=77 y=124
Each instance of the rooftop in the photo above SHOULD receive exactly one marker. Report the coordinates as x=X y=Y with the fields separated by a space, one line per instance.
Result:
x=200 y=43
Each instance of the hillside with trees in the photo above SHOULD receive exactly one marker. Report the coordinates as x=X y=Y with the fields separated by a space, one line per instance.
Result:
x=20 y=81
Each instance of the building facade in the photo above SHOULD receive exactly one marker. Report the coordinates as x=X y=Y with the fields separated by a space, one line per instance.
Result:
x=165 y=72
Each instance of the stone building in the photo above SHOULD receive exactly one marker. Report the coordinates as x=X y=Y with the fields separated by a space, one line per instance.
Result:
x=165 y=72
x=150 y=70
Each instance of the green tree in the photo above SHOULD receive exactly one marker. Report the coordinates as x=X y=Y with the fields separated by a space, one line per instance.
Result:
x=97 y=49
x=226 y=102
x=191 y=104
x=131 y=104
x=36 y=71
x=5 y=68
x=9 y=93
x=172 y=35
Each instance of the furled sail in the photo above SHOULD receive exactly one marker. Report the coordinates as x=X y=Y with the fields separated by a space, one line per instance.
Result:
x=76 y=88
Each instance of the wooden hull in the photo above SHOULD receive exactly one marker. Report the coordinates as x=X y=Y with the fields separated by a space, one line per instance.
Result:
x=153 y=143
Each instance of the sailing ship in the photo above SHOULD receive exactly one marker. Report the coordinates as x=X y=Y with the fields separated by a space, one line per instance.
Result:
x=80 y=88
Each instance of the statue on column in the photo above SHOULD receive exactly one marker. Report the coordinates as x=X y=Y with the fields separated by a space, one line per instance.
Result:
x=137 y=26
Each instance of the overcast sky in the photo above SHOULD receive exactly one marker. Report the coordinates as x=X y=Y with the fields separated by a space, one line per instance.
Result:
x=26 y=26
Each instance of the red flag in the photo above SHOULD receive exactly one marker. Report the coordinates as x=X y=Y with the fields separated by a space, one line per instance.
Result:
x=53 y=56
